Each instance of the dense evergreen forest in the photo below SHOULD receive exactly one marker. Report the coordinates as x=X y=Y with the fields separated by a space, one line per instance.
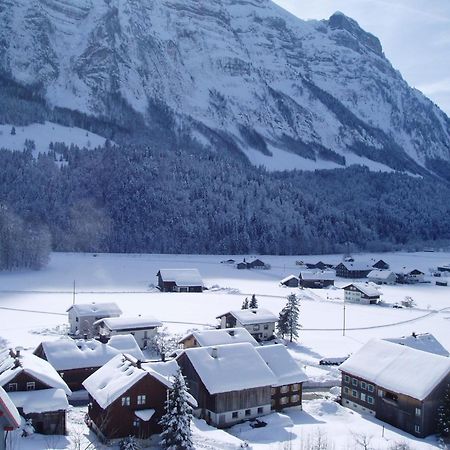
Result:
x=147 y=199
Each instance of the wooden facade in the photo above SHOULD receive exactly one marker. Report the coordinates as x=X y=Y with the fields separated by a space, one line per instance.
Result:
x=286 y=396
x=315 y=283
x=171 y=286
x=344 y=272
x=380 y=264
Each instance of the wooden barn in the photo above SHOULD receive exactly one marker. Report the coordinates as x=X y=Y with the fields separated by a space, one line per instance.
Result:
x=290 y=281
x=180 y=280
x=381 y=265
x=352 y=270
x=316 y=279
x=397 y=384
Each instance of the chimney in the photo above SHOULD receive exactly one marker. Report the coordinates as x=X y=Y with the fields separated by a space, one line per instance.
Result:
x=231 y=332
x=85 y=336
x=139 y=364
x=18 y=350
x=17 y=362
x=214 y=352
x=163 y=357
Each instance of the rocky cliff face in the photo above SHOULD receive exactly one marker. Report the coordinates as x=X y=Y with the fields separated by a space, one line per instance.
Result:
x=239 y=73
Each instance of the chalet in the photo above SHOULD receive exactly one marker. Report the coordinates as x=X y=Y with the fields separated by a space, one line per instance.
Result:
x=76 y=360
x=241 y=265
x=380 y=276
x=9 y=417
x=207 y=338
x=352 y=270
x=259 y=322
x=381 y=265
x=411 y=277
x=83 y=316
x=142 y=328
x=180 y=280
x=36 y=389
x=361 y=293
x=231 y=383
x=287 y=390
x=444 y=268
x=421 y=341
x=318 y=266
x=256 y=263
x=126 y=397
x=396 y=384
x=441 y=283
x=290 y=281
x=316 y=279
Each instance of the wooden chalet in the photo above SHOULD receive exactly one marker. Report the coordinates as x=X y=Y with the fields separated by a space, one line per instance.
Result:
x=36 y=390
x=180 y=280
x=444 y=268
x=353 y=270
x=381 y=276
x=231 y=383
x=259 y=322
x=361 y=293
x=207 y=338
x=318 y=266
x=397 y=384
x=381 y=265
x=316 y=279
x=290 y=281
x=253 y=263
x=287 y=390
x=9 y=417
x=76 y=360
x=83 y=316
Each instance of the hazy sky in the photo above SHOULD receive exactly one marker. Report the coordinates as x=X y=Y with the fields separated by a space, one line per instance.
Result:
x=415 y=35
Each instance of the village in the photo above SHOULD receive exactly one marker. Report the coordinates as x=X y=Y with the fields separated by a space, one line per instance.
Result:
x=116 y=362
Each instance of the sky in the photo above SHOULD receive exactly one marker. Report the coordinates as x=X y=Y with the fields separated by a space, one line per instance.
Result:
x=415 y=35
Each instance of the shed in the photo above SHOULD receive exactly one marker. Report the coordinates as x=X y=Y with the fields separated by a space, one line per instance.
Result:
x=180 y=280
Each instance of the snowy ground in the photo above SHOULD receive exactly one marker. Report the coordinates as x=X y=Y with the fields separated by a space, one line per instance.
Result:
x=33 y=305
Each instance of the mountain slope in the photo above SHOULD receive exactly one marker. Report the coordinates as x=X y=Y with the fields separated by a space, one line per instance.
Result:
x=234 y=74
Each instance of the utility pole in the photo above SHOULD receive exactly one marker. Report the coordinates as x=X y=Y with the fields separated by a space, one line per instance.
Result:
x=343 y=323
x=73 y=293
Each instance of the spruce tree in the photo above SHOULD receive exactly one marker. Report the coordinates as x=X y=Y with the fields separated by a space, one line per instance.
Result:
x=444 y=414
x=176 y=422
x=13 y=131
x=288 y=324
x=129 y=443
x=253 y=302
x=245 y=304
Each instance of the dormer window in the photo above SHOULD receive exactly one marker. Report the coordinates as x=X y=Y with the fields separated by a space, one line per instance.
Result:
x=31 y=386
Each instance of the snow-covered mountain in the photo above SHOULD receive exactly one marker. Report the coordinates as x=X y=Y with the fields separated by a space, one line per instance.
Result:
x=236 y=74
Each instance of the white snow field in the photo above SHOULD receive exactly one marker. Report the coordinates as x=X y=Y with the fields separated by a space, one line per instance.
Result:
x=33 y=305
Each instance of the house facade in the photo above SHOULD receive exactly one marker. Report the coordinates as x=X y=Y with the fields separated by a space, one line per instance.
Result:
x=259 y=322
x=361 y=293
x=9 y=417
x=316 y=279
x=382 y=277
x=290 y=281
x=352 y=270
x=180 y=280
x=397 y=384
x=82 y=317
x=381 y=265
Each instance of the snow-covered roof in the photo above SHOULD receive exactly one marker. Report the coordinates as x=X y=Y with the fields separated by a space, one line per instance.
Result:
x=34 y=366
x=317 y=275
x=228 y=368
x=96 y=309
x=357 y=265
x=182 y=277
x=282 y=364
x=144 y=414
x=251 y=316
x=9 y=410
x=425 y=342
x=380 y=274
x=129 y=323
x=365 y=288
x=206 y=338
x=288 y=278
x=40 y=401
x=398 y=368
x=66 y=353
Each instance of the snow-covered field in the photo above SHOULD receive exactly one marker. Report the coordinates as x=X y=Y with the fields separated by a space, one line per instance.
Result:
x=33 y=305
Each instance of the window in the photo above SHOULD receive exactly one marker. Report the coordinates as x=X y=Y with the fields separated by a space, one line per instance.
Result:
x=391 y=396
x=77 y=319
x=234 y=415
x=418 y=412
x=370 y=388
x=283 y=400
x=284 y=389
x=12 y=387
x=363 y=397
x=266 y=326
x=380 y=393
x=346 y=390
x=136 y=423
x=31 y=386
x=294 y=387
x=354 y=382
x=141 y=399
x=260 y=410
x=256 y=327
x=417 y=428
x=370 y=400
x=363 y=385
x=248 y=412
x=354 y=393
x=273 y=391
x=346 y=378
x=295 y=398
x=125 y=401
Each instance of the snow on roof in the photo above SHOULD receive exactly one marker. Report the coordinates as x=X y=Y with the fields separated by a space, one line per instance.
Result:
x=365 y=288
x=96 y=309
x=288 y=278
x=357 y=265
x=37 y=368
x=66 y=353
x=380 y=274
x=251 y=316
x=317 y=275
x=40 y=401
x=425 y=342
x=206 y=338
x=182 y=277
x=398 y=368
x=228 y=368
x=129 y=323
x=8 y=408
x=145 y=414
x=282 y=364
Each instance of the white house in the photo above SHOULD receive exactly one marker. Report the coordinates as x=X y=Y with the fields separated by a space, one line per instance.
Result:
x=259 y=322
x=207 y=338
x=361 y=293
x=382 y=277
x=142 y=328
x=83 y=316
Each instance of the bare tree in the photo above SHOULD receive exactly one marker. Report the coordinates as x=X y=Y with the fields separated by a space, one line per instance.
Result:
x=362 y=440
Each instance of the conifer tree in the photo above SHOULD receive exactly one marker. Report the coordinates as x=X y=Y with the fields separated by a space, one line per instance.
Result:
x=176 y=422
x=253 y=302
x=13 y=131
x=444 y=414
x=288 y=322
x=245 y=304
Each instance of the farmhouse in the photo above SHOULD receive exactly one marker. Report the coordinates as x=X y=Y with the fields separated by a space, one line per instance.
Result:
x=9 y=416
x=75 y=360
x=318 y=266
x=381 y=265
x=259 y=322
x=206 y=338
x=424 y=341
x=411 y=276
x=316 y=280
x=290 y=281
x=397 y=384
x=352 y=270
x=36 y=389
x=361 y=293
x=231 y=383
x=287 y=390
x=444 y=268
x=127 y=397
x=180 y=280
x=382 y=276
x=253 y=263
x=83 y=316
x=142 y=328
